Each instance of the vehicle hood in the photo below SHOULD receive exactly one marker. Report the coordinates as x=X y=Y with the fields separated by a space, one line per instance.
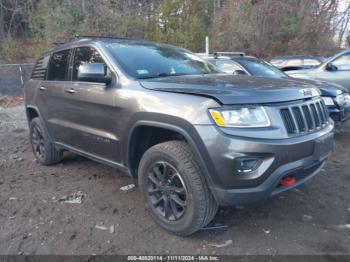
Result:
x=228 y=89
x=326 y=88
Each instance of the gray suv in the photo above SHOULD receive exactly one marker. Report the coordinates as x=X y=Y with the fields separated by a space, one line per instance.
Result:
x=195 y=138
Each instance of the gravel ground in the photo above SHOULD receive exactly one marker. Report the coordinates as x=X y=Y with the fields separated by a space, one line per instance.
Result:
x=37 y=218
x=10 y=101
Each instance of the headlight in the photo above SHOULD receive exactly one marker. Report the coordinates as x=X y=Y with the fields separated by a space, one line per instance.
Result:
x=241 y=117
x=342 y=99
x=347 y=99
x=328 y=101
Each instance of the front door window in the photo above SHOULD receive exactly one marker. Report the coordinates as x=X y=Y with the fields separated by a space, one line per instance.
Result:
x=342 y=62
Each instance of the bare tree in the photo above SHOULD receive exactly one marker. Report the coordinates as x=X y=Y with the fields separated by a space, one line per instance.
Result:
x=344 y=26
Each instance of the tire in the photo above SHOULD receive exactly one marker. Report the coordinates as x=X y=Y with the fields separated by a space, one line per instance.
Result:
x=45 y=152
x=174 y=161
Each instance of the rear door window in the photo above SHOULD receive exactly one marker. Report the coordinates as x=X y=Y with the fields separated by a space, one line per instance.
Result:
x=59 y=64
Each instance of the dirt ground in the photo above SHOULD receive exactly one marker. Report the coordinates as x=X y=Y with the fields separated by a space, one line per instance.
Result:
x=36 y=219
x=10 y=101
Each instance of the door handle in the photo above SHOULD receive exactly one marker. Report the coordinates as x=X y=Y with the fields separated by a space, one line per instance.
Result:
x=70 y=91
x=41 y=88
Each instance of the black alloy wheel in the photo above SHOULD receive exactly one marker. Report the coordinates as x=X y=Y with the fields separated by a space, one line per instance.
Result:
x=166 y=191
x=38 y=143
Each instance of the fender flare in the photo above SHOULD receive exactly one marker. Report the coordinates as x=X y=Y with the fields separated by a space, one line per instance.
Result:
x=191 y=137
x=41 y=118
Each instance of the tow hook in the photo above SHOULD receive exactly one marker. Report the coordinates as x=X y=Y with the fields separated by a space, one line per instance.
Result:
x=288 y=181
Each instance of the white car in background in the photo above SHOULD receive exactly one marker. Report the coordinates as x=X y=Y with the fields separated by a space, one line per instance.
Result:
x=335 y=70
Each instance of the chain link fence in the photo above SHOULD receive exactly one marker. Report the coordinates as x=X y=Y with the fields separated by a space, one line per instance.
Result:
x=12 y=77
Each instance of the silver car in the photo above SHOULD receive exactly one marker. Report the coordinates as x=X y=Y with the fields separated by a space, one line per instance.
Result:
x=336 y=69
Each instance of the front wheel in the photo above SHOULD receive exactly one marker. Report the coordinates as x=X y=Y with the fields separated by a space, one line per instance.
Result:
x=174 y=189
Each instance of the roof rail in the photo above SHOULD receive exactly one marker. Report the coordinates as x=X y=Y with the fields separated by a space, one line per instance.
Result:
x=77 y=37
x=229 y=54
x=56 y=44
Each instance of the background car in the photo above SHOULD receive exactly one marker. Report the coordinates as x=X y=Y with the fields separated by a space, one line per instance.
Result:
x=336 y=70
x=296 y=62
x=336 y=97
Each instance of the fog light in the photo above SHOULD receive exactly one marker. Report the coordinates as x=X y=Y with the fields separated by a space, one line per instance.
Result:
x=246 y=165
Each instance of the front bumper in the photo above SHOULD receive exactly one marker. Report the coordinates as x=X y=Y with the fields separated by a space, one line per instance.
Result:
x=270 y=187
x=298 y=157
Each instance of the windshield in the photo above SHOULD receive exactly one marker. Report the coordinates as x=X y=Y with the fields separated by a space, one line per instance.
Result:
x=261 y=68
x=149 y=60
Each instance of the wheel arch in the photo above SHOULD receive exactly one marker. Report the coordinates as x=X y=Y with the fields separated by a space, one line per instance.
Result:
x=186 y=134
x=32 y=112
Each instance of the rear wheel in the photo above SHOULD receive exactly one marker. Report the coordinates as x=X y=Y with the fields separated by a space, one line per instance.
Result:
x=175 y=191
x=45 y=152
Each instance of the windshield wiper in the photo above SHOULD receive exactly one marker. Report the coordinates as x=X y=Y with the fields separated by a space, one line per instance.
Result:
x=160 y=75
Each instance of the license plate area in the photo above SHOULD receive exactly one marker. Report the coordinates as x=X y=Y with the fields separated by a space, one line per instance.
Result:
x=323 y=147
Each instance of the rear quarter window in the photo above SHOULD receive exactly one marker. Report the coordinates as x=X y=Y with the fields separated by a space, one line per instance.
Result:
x=40 y=68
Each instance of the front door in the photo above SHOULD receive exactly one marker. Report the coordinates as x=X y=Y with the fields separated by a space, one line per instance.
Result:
x=90 y=111
x=339 y=76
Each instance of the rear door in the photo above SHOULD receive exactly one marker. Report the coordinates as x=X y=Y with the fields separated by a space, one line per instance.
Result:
x=89 y=111
x=50 y=92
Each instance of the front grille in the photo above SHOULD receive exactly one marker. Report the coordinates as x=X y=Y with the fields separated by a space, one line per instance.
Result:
x=304 y=117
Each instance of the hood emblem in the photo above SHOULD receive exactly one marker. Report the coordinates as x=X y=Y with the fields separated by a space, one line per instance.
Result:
x=306 y=91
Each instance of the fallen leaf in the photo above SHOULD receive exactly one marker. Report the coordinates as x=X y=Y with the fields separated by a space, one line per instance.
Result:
x=127 y=187
x=227 y=243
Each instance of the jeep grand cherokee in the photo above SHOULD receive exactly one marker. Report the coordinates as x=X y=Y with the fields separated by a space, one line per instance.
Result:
x=195 y=138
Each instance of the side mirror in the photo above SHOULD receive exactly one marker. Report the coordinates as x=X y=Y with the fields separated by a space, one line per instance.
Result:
x=330 y=67
x=239 y=72
x=94 y=72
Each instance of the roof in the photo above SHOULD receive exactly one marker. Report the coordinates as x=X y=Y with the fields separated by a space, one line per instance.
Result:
x=318 y=57
x=86 y=40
